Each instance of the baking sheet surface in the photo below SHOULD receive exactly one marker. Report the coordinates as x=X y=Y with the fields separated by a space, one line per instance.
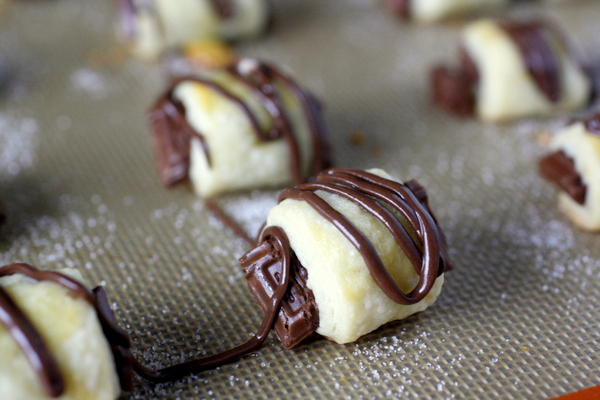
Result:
x=518 y=317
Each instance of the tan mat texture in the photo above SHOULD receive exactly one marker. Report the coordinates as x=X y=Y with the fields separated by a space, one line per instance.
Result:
x=518 y=318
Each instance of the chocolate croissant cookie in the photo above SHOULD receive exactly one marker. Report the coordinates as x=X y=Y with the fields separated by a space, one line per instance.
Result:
x=574 y=168
x=361 y=248
x=57 y=338
x=436 y=10
x=152 y=26
x=512 y=70
x=239 y=128
x=60 y=340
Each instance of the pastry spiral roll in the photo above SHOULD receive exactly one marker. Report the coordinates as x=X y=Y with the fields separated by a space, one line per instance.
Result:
x=53 y=341
x=152 y=26
x=512 y=70
x=239 y=128
x=365 y=250
x=574 y=168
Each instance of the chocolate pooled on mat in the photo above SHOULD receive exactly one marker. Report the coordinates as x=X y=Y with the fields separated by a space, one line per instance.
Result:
x=244 y=127
x=365 y=250
x=574 y=168
x=510 y=70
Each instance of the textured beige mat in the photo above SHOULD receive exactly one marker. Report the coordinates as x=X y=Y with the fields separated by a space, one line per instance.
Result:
x=518 y=317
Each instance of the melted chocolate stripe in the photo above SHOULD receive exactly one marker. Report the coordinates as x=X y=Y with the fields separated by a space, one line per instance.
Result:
x=427 y=230
x=539 y=57
x=375 y=265
x=282 y=246
x=312 y=110
x=173 y=159
x=373 y=189
x=32 y=344
x=559 y=169
x=378 y=211
x=48 y=369
x=19 y=326
x=425 y=226
x=262 y=84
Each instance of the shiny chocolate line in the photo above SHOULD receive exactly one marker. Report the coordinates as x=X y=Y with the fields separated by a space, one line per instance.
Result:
x=229 y=222
x=31 y=342
x=33 y=346
x=263 y=83
x=559 y=169
x=46 y=366
x=281 y=245
x=367 y=190
x=540 y=59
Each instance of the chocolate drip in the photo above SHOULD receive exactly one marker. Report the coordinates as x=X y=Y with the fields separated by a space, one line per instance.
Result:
x=170 y=126
x=400 y=8
x=540 y=59
x=281 y=249
x=560 y=170
x=46 y=366
x=454 y=89
x=368 y=191
x=31 y=342
x=298 y=316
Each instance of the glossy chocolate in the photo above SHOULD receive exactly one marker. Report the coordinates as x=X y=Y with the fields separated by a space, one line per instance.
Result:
x=32 y=344
x=559 y=169
x=172 y=132
x=543 y=65
x=454 y=89
x=298 y=317
x=299 y=313
x=45 y=365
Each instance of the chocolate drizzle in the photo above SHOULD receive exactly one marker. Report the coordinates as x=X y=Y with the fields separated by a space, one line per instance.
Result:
x=288 y=304
x=559 y=169
x=540 y=59
x=368 y=191
x=172 y=132
x=32 y=344
x=298 y=317
x=46 y=366
x=454 y=89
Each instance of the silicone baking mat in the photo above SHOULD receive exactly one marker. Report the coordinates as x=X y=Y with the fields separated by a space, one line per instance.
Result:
x=518 y=317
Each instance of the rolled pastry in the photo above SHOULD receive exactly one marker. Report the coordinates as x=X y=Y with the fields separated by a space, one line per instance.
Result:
x=512 y=70
x=363 y=249
x=52 y=339
x=152 y=26
x=574 y=167
x=436 y=10
x=240 y=128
